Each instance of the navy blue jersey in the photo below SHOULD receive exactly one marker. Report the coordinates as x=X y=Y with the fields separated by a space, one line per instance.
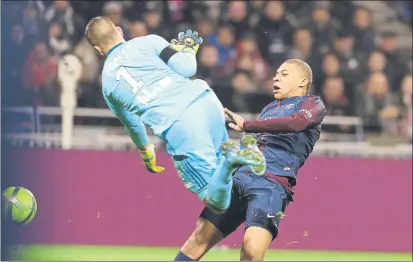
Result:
x=287 y=131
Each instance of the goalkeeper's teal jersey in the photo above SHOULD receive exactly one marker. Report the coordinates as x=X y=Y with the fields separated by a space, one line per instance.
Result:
x=139 y=86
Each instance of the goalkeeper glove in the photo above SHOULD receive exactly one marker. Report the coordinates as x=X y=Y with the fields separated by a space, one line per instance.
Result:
x=187 y=42
x=149 y=160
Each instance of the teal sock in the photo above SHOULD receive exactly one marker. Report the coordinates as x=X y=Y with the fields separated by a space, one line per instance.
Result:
x=220 y=186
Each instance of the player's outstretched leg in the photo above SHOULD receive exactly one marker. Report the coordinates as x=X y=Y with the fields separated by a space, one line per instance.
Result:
x=250 y=149
x=220 y=185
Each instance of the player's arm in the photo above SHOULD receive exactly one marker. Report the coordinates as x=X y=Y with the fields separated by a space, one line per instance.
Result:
x=183 y=63
x=311 y=112
x=133 y=125
x=137 y=132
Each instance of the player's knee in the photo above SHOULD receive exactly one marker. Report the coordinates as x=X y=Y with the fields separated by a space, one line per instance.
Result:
x=251 y=251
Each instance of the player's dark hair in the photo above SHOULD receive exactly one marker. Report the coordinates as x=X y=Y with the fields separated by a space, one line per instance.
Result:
x=305 y=69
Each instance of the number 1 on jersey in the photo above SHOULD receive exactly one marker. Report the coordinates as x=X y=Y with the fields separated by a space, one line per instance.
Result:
x=136 y=85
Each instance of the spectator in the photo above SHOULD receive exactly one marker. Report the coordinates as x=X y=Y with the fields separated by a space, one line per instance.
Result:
x=153 y=20
x=237 y=17
x=115 y=12
x=329 y=67
x=131 y=10
x=323 y=29
x=248 y=46
x=377 y=62
x=334 y=97
x=137 y=29
x=349 y=59
x=178 y=9
x=90 y=96
x=336 y=102
x=208 y=66
x=90 y=60
x=58 y=41
x=405 y=102
x=10 y=10
x=275 y=33
x=388 y=44
x=205 y=29
x=378 y=104
x=342 y=10
x=62 y=13
x=242 y=86
x=213 y=10
x=299 y=9
x=256 y=11
x=216 y=75
x=269 y=87
x=303 y=47
x=186 y=12
x=245 y=63
x=362 y=31
x=33 y=25
x=19 y=45
x=39 y=74
x=224 y=41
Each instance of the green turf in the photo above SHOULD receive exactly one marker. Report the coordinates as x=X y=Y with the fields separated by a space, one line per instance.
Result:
x=117 y=253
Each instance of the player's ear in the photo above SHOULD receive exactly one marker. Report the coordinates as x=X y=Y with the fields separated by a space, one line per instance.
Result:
x=120 y=31
x=304 y=83
x=98 y=49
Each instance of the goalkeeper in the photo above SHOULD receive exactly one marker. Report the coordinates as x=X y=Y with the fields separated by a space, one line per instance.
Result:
x=145 y=82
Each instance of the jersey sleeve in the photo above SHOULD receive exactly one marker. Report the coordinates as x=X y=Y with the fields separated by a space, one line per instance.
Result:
x=310 y=112
x=182 y=63
x=159 y=43
x=131 y=122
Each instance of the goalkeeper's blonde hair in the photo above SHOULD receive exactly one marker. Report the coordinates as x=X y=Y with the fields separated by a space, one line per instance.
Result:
x=101 y=31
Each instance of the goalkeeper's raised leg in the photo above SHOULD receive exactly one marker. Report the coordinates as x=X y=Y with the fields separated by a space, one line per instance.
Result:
x=204 y=155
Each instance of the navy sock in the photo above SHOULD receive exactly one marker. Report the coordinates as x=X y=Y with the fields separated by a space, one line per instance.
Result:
x=182 y=257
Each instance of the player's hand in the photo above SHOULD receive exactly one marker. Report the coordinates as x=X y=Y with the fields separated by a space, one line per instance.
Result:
x=188 y=41
x=237 y=120
x=149 y=160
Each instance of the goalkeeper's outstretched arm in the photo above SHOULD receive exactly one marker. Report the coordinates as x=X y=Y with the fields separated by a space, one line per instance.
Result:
x=132 y=124
x=183 y=63
x=137 y=132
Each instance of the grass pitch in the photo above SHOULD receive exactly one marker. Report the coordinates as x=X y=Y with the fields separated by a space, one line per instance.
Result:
x=121 y=253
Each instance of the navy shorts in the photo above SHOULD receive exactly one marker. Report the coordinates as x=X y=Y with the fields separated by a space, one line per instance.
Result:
x=256 y=200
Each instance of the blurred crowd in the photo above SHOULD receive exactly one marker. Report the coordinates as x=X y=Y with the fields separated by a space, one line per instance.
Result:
x=357 y=71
